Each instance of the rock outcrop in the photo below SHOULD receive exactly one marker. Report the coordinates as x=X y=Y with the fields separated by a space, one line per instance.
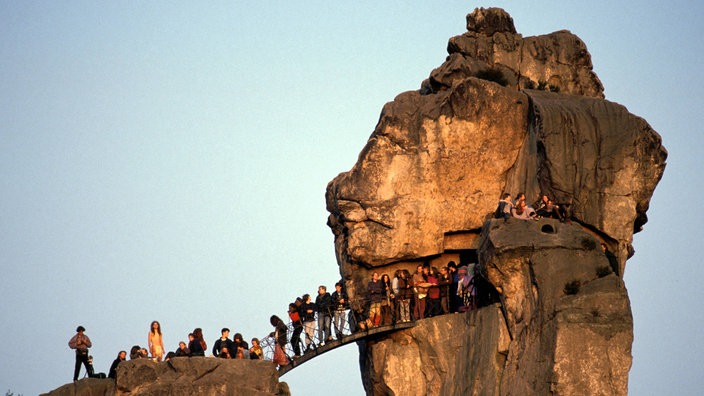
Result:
x=428 y=179
x=184 y=376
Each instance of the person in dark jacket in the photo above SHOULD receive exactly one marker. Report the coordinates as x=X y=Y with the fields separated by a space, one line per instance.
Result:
x=340 y=305
x=279 y=335
x=182 y=350
x=308 y=316
x=241 y=350
x=323 y=305
x=296 y=320
x=113 y=368
x=197 y=344
x=223 y=342
x=444 y=280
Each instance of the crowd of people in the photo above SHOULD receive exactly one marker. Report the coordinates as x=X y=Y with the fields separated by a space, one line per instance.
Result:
x=223 y=347
x=519 y=209
x=429 y=292
x=405 y=297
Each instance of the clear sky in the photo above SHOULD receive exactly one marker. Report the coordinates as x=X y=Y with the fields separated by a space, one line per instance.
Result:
x=167 y=161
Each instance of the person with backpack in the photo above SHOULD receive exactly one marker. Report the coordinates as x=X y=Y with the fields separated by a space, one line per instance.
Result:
x=505 y=208
x=80 y=342
x=295 y=315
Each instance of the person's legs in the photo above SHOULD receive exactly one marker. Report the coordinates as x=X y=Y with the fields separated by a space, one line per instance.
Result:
x=296 y=340
x=77 y=368
x=327 y=321
x=321 y=327
x=339 y=321
x=310 y=333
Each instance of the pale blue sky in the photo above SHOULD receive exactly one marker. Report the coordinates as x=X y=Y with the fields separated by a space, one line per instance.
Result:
x=166 y=161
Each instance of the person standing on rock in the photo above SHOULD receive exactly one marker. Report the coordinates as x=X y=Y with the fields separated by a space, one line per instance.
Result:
x=80 y=342
x=155 y=342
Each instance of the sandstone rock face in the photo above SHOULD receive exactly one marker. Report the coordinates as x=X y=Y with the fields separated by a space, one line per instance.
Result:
x=448 y=355
x=559 y=59
x=428 y=179
x=184 y=376
x=437 y=163
x=568 y=314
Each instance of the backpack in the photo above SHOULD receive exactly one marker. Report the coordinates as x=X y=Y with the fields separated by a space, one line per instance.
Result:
x=499 y=213
x=295 y=317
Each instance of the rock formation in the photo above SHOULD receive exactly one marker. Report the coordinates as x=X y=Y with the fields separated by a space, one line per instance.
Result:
x=428 y=179
x=184 y=376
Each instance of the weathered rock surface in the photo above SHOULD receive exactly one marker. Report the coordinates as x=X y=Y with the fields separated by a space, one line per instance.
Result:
x=184 y=376
x=558 y=60
x=568 y=314
x=428 y=180
x=436 y=357
x=436 y=165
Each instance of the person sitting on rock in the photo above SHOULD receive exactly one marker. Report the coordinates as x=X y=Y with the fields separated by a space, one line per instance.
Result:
x=121 y=356
x=308 y=313
x=182 y=350
x=241 y=347
x=256 y=352
x=134 y=352
x=546 y=208
x=503 y=210
x=523 y=211
x=224 y=353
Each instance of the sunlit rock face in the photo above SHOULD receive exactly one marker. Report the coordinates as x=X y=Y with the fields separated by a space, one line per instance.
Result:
x=428 y=179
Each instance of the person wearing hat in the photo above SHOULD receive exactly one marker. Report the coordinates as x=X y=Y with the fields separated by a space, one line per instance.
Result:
x=80 y=342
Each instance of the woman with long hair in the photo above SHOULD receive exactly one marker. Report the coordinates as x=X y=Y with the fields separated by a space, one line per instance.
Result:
x=279 y=335
x=155 y=342
x=387 y=303
x=197 y=345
